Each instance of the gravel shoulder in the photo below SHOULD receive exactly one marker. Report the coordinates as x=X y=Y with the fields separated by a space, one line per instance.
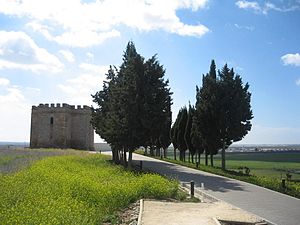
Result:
x=184 y=213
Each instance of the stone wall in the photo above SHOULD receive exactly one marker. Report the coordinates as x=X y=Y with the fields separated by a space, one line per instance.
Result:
x=61 y=126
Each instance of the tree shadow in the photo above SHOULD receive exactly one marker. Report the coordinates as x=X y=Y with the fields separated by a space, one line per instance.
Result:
x=183 y=174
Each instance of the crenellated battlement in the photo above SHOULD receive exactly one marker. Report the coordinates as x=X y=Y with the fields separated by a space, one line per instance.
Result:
x=61 y=126
x=60 y=106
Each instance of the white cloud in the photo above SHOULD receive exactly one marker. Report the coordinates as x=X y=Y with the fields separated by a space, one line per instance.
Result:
x=90 y=55
x=291 y=59
x=189 y=30
x=4 y=81
x=298 y=82
x=43 y=29
x=92 y=68
x=15 y=116
x=249 y=5
x=270 y=6
x=240 y=27
x=77 y=24
x=69 y=56
x=19 y=51
x=85 y=38
x=267 y=6
x=78 y=90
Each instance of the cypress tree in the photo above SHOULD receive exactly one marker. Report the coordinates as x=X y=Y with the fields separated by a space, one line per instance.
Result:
x=188 y=129
x=223 y=110
x=207 y=113
x=134 y=106
x=236 y=110
x=173 y=135
x=156 y=116
x=196 y=139
x=182 y=147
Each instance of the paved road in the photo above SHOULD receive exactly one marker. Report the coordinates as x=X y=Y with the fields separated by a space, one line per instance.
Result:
x=277 y=208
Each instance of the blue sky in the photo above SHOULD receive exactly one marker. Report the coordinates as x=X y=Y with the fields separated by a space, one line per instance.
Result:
x=58 y=51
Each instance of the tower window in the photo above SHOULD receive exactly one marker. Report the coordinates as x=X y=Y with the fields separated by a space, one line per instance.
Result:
x=51 y=120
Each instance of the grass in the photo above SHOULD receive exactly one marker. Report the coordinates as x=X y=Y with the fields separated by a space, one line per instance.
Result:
x=269 y=164
x=75 y=189
x=13 y=160
x=267 y=169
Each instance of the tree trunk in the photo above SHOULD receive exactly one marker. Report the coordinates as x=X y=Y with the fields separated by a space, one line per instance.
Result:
x=192 y=158
x=223 y=157
x=199 y=157
x=146 y=149
x=121 y=155
x=130 y=160
x=157 y=152
x=206 y=159
x=175 y=153
x=189 y=156
x=151 y=151
x=211 y=159
x=165 y=152
x=113 y=152
x=115 y=156
x=118 y=157
x=125 y=158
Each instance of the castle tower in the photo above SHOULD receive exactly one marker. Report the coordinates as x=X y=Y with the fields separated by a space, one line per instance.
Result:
x=61 y=127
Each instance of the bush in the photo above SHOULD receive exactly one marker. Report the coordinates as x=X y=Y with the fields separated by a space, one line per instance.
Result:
x=244 y=170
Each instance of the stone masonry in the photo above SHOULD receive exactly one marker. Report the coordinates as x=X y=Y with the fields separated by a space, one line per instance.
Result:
x=61 y=126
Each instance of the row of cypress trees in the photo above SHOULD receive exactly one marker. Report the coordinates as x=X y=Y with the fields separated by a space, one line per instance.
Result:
x=221 y=116
x=134 y=106
x=134 y=110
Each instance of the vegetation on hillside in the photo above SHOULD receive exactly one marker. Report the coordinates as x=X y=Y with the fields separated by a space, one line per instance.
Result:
x=75 y=189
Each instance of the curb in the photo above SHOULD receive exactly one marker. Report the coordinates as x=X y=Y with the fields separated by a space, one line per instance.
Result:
x=139 y=222
x=203 y=196
x=200 y=193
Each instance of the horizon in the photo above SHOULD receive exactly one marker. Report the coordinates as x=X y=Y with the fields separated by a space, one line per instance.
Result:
x=232 y=145
x=53 y=53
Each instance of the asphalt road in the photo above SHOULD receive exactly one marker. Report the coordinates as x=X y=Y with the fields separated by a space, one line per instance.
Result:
x=275 y=207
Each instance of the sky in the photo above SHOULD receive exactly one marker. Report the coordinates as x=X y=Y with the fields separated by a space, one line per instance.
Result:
x=58 y=51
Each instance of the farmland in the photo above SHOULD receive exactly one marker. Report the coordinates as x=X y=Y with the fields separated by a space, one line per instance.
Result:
x=267 y=169
x=70 y=187
x=269 y=164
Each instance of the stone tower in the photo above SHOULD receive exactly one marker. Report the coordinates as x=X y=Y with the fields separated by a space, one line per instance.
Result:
x=61 y=127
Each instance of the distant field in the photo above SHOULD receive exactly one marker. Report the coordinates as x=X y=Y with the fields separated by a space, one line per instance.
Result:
x=271 y=164
x=12 y=160
x=70 y=187
x=265 y=164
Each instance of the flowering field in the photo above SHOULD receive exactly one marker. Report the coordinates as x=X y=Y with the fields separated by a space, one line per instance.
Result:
x=13 y=160
x=74 y=189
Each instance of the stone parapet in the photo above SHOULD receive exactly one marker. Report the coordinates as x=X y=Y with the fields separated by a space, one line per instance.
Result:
x=61 y=126
x=61 y=106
